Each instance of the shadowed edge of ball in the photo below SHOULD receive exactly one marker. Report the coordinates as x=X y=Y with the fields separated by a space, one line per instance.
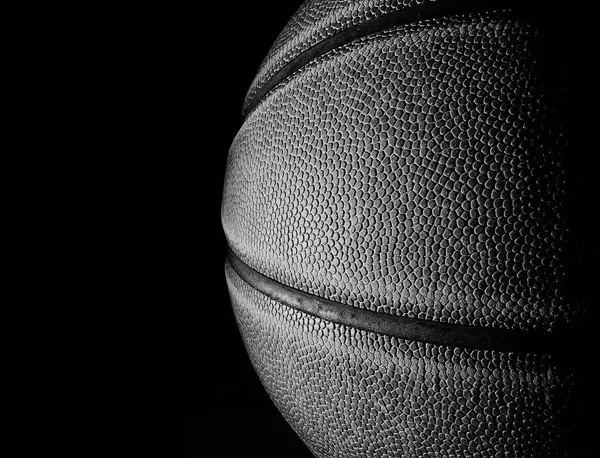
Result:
x=435 y=332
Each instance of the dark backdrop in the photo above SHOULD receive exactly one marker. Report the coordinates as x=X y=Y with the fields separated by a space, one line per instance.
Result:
x=225 y=411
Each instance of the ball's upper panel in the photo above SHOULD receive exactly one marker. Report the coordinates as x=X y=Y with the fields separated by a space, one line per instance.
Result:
x=416 y=171
x=314 y=21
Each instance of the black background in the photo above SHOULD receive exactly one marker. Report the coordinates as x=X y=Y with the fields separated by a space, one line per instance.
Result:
x=224 y=410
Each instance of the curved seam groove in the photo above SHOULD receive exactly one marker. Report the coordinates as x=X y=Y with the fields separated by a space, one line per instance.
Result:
x=383 y=22
x=415 y=329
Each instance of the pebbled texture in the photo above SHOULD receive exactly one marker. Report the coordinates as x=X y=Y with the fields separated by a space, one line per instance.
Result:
x=420 y=171
x=349 y=393
x=315 y=21
x=417 y=171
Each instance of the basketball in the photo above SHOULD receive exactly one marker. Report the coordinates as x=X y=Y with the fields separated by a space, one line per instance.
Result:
x=408 y=255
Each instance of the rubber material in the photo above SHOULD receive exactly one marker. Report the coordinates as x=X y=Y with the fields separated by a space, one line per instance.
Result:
x=422 y=193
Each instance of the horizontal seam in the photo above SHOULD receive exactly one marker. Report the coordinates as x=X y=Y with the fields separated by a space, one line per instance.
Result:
x=415 y=329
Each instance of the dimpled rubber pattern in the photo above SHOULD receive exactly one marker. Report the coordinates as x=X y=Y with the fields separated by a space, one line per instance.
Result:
x=417 y=172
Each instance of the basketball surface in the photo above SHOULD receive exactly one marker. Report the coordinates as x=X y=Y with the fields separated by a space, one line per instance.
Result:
x=407 y=257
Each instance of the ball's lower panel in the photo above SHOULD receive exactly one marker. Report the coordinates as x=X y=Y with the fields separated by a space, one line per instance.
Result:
x=350 y=393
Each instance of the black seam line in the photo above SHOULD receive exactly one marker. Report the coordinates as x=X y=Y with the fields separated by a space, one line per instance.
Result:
x=415 y=329
x=386 y=21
